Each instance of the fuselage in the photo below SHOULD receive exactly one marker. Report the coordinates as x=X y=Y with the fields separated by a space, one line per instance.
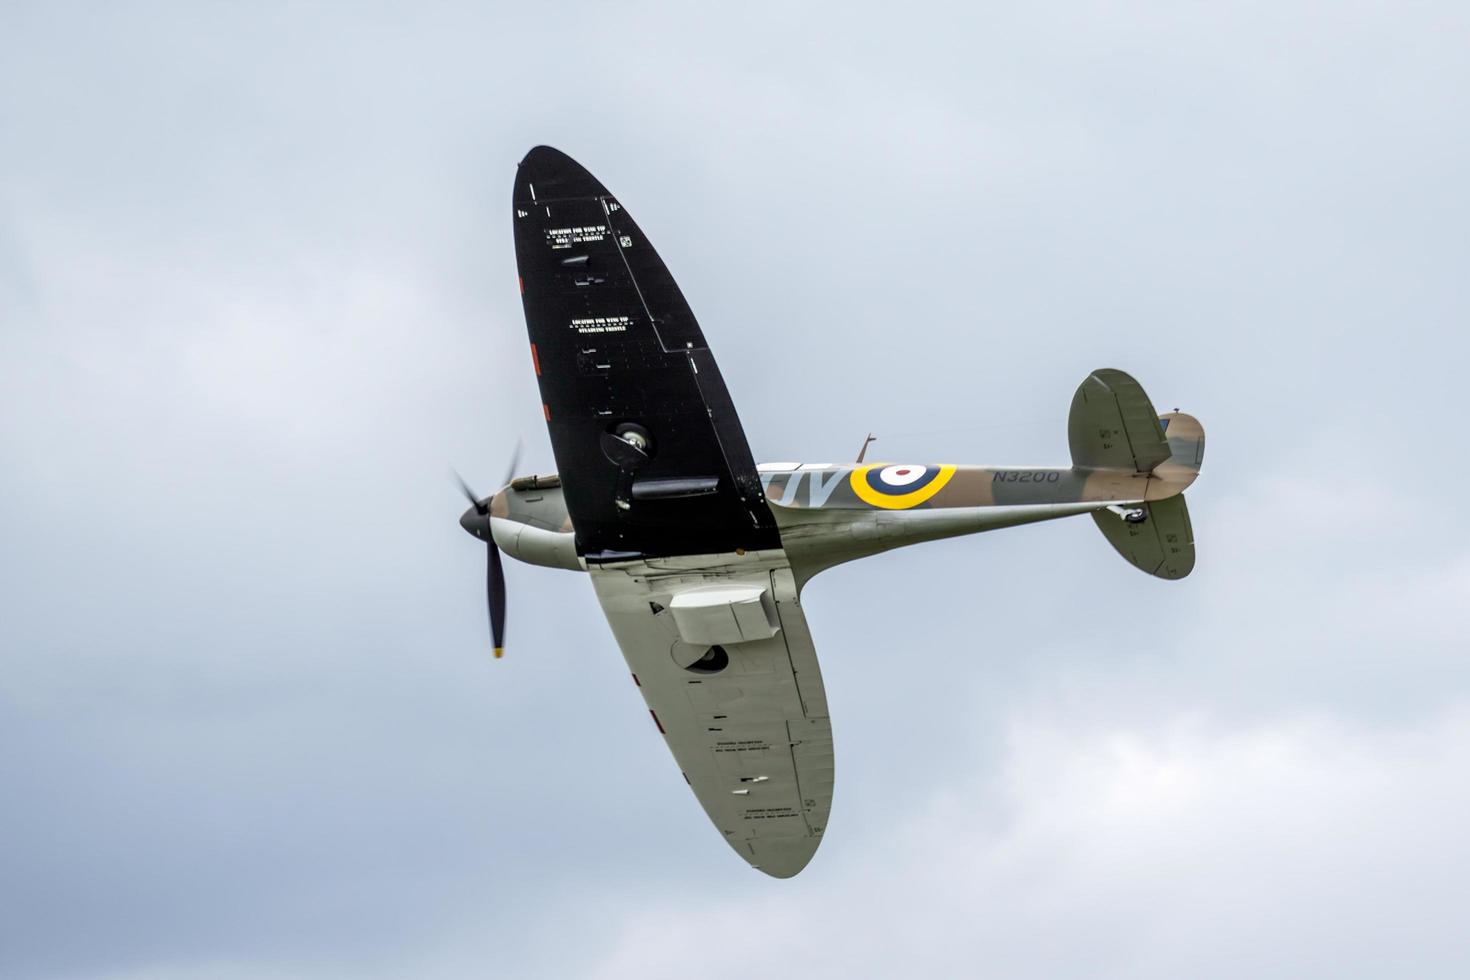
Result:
x=832 y=513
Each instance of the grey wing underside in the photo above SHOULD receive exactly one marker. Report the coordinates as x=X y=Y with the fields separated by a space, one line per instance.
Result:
x=754 y=739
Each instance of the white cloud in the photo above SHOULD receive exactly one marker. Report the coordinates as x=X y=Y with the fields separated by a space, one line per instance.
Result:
x=257 y=292
x=1173 y=847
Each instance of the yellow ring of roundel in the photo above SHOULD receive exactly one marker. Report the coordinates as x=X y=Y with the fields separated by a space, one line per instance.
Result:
x=897 y=501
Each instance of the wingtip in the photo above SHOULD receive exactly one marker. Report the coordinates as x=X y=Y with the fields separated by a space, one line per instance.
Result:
x=546 y=173
x=541 y=152
x=779 y=857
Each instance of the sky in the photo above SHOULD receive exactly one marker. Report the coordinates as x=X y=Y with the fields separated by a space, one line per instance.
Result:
x=257 y=296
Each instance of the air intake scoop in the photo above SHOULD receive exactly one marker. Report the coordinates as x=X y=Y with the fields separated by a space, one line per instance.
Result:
x=724 y=614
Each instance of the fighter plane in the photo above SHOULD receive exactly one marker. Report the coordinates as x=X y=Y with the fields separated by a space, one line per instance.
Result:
x=698 y=556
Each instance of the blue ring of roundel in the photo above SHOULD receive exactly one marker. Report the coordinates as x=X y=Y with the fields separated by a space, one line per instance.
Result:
x=874 y=479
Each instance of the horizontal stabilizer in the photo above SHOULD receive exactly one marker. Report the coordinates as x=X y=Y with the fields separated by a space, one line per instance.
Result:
x=1113 y=425
x=1161 y=544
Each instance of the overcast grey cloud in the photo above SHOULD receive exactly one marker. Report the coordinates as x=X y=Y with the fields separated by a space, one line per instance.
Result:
x=257 y=294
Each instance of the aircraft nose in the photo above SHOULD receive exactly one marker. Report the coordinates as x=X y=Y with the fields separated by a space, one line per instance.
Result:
x=476 y=523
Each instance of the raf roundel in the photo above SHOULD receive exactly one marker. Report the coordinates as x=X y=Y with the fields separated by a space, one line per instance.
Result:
x=893 y=477
x=900 y=486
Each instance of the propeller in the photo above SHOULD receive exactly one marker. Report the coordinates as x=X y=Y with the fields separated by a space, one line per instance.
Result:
x=476 y=521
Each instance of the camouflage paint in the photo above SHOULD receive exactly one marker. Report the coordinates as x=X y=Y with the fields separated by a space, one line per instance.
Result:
x=828 y=514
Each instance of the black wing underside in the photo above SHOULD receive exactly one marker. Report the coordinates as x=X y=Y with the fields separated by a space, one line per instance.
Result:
x=652 y=457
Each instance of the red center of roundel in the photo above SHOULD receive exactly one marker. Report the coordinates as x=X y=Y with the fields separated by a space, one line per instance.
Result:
x=903 y=472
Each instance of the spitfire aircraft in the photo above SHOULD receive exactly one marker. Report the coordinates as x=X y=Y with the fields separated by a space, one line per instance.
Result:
x=698 y=556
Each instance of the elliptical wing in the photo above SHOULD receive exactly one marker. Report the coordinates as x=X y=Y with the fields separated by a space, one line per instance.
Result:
x=647 y=442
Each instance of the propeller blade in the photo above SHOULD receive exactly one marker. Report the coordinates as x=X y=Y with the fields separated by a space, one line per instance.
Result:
x=495 y=593
x=494 y=571
x=515 y=459
x=469 y=494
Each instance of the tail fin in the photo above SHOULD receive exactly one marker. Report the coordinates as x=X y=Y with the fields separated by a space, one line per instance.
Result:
x=1186 y=452
x=1113 y=426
